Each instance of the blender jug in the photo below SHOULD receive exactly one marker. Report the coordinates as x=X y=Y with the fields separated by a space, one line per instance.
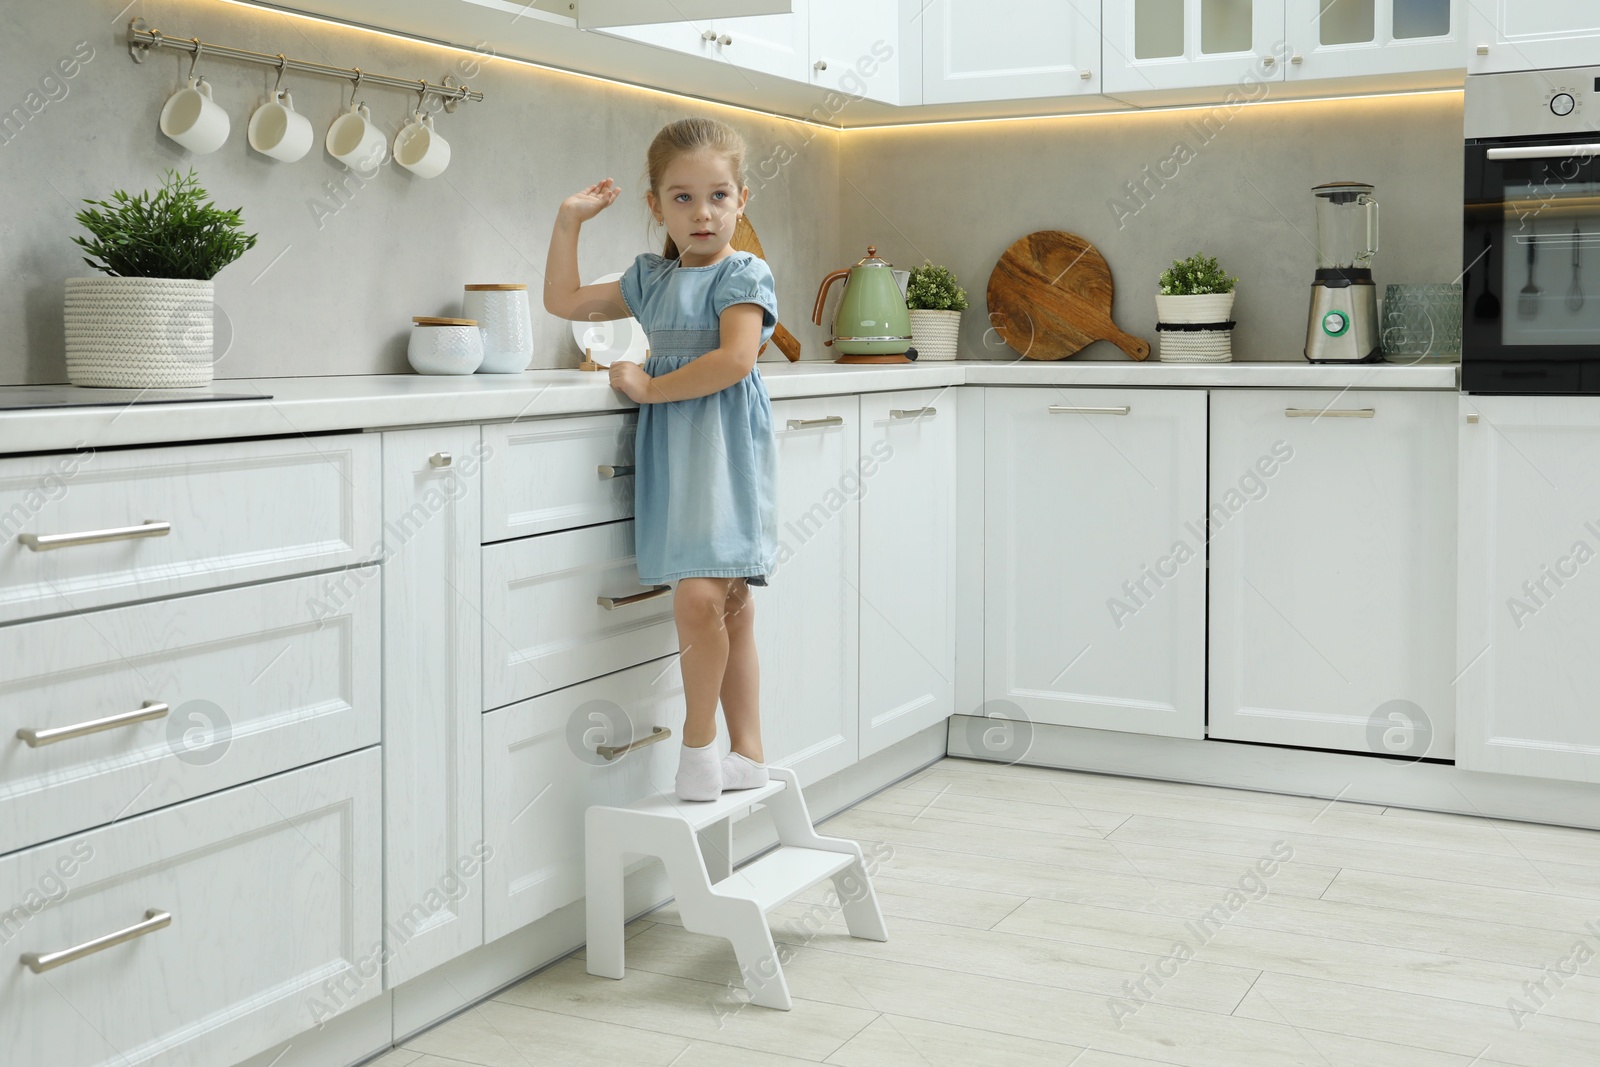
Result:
x=1343 y=323
x=1347 y=226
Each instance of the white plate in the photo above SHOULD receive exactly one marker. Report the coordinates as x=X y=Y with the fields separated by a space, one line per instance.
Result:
x=615 y=339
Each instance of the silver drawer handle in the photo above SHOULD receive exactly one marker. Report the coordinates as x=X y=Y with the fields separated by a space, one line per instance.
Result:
x=615 y=470
x=1068 y=409
x=44 y=542
x=439 y=459
x=154 y=919
x=611 y=603
x=611 y=752
x=1331 y=413
x=911 y=413
x=150 y=709
x=801 y=424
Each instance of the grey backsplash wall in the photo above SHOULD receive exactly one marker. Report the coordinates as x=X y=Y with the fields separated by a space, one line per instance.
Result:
x=340 y=268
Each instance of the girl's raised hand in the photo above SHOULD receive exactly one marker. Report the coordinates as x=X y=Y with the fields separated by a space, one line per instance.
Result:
x=585 y=205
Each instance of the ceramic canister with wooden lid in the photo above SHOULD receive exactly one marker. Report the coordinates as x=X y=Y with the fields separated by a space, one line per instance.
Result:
x=502 y=311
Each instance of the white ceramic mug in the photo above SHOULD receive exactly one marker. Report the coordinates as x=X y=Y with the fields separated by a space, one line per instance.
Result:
x=355 y=140
x=418 y=149
x=276 y=129
x=193 y=119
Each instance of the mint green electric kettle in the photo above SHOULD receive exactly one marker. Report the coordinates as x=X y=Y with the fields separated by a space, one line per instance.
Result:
x=871 y=324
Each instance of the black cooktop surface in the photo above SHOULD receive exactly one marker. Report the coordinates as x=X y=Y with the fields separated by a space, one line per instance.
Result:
x=20 y=397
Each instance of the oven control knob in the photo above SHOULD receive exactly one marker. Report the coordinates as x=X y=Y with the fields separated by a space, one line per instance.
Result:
x=1563 y=104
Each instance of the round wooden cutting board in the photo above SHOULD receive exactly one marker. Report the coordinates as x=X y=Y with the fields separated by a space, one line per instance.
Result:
x=1050 y=297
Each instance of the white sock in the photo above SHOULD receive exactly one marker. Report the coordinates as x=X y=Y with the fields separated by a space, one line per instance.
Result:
x=741 y=772
x=699 y=772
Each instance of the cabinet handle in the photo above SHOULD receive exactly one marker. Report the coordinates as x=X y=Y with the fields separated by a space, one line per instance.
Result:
x=1483 y=49
x=1085 y=74
x=611 y=603
x=1070 y=409
x=829 y=420
x=611 y=752
x=708 y=35
x=1472 y=418
x=44 y=542
x=1331 y=413
x=154 y=919
x=821 y=64
x=615 y=470
x=724 y=40
x=1297 y=59
x=911 y=413
x=1269 y=61
x=439 y=459
x=150 y=709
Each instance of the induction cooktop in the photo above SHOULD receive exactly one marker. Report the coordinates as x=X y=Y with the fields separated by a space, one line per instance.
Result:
x=19 y=397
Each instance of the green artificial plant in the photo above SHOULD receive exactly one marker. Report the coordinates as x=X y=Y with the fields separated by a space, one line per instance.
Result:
x=934 y=288
x=175 y=233
x=1195 y=276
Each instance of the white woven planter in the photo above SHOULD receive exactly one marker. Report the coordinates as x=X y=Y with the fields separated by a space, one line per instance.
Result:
x=137 y=333
x=1195 y=346
x=934 y=333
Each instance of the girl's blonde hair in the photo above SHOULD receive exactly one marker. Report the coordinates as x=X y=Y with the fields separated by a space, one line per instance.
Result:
x=693 y=135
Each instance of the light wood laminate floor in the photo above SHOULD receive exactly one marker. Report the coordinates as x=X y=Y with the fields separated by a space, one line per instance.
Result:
x=1027 y=907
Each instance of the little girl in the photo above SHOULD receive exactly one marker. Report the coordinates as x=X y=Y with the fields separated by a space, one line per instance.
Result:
x=705 y=458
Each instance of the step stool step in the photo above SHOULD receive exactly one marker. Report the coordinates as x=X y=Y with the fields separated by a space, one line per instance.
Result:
x=782 y=874
x=702 y=813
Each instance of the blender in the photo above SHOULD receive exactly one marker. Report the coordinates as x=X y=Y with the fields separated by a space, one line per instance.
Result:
x=1344 y=303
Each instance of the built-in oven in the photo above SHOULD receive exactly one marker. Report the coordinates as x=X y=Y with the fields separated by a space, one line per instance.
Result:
x=1531 y=244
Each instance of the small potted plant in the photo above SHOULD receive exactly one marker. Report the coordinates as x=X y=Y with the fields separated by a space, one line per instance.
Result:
x=936 y=303
x=148 y=324
x=1194 y=311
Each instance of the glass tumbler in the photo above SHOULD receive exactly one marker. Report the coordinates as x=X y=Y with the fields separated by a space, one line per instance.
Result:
x=1422 y=323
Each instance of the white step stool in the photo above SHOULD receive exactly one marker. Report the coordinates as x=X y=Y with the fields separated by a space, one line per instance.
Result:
x=713 y=898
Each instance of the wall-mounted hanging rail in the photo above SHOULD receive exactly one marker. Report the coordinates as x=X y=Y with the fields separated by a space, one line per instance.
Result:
x=142 y=38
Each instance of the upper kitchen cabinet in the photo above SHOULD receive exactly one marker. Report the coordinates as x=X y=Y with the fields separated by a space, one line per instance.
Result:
x=1181 y=44
x=1353 y=38
x=867 y=50
x=772 y=44
x=1529 y=608
x=1009 y=49
x=1504 y=35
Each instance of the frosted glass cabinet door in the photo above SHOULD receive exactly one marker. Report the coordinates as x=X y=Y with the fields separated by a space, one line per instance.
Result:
x=1532 y=34
x=1179 y=44
x=1362 y=37
x=1010 y=49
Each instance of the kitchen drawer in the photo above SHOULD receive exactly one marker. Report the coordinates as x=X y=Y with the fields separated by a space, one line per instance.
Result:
x=543 y=625
x=555 y=474
x=544 y=750
x=274 y=895
x=269 y=676
x=226 y=513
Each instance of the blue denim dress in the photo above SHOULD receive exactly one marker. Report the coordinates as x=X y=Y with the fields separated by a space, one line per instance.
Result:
x=705 y=482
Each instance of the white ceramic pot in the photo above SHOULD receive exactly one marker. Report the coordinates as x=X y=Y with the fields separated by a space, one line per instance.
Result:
x=138 y=333
x=502 y=313
x=934 y=333
x=1195 y=346
x=1207 y=307
x=445 y=346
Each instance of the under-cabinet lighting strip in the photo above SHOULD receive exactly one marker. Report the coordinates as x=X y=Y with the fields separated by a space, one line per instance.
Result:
x=413 y=38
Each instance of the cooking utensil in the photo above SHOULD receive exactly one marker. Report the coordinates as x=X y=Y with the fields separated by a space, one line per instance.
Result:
x=872 y=323
x=745 y=240
x=1575 y=294
x=1528 y=302
x=1488 y=305
x=1050 y=296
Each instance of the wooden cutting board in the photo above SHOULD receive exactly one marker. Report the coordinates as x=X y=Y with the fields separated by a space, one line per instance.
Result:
x=1050 y=297
x=745 y=240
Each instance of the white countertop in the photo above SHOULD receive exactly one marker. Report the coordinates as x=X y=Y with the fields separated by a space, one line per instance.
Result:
x=385 y=401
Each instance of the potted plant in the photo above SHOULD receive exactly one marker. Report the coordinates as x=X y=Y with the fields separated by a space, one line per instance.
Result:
x=149 y=323
x=936 y=303
x=1193 y=311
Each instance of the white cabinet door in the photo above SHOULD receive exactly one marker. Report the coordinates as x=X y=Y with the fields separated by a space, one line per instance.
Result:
x=1177 y=44
x=908 y=563
x=1532 y=35
x=686 y=37
x=858 y=50
x=806 y=621
x=1529 y=586
x=1095 y=586
x=433 y=695
x=772 y=44
x=1009 y=49
x=1332 y=536
x=1360 y=37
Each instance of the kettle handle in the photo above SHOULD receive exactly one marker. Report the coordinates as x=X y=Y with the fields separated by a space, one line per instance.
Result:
x=822 y=293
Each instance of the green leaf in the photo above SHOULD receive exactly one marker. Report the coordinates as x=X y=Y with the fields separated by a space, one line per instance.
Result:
x=934 y=288
x=1195 y=276
x=175 y=233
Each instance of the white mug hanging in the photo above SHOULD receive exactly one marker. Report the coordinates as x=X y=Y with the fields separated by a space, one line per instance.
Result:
x=276 y=129
x=355 y=140
x=418 y=149
x=193 y=119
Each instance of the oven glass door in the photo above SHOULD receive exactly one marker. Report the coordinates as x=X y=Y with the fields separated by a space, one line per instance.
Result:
x=1531 y=251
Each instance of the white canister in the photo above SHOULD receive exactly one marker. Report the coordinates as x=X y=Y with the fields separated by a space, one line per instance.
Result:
x=502 y=311
x=444 y=346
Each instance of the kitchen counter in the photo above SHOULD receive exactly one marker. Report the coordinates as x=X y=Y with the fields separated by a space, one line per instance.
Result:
x=385 y=401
